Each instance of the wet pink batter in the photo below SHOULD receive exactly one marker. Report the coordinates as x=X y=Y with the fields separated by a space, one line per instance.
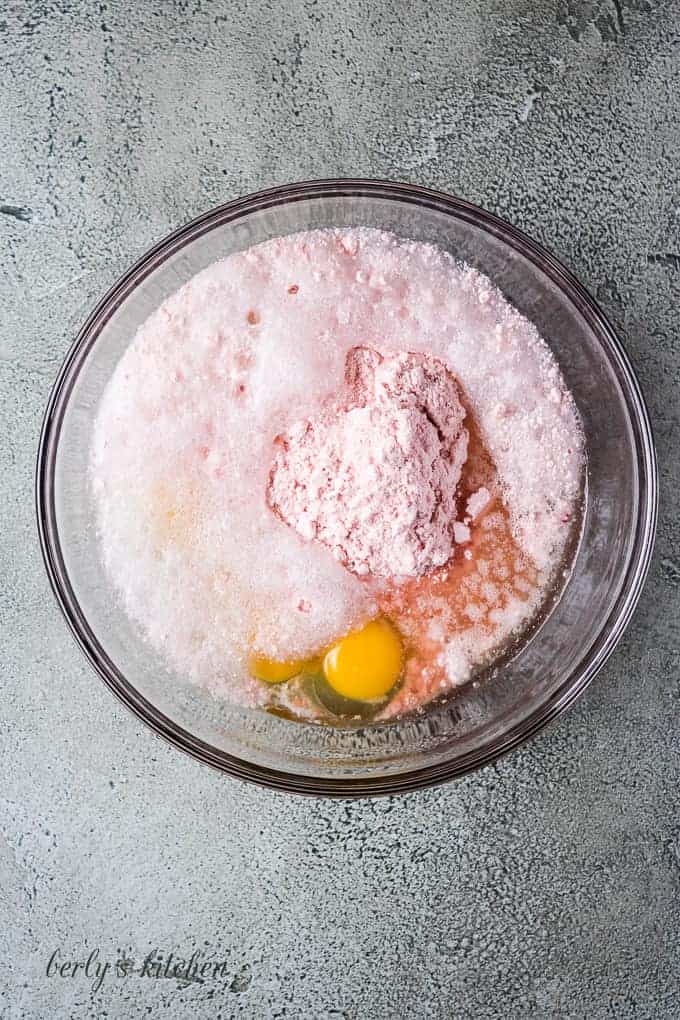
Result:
x=372 y=358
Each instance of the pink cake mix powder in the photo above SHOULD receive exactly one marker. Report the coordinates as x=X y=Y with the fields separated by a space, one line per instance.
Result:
x=324 y=428
x=375 y=480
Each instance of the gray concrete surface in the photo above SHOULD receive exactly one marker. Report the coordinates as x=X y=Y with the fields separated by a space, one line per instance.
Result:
x=544 y=887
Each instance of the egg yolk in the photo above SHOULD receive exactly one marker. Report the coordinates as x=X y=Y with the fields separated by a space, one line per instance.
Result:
x=366 y=664
x=274 y=672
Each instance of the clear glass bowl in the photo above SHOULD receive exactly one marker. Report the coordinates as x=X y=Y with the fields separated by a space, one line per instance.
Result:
x=544 y=675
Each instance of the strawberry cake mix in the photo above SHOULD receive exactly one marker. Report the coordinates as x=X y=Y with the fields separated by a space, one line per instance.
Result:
x=336 y=475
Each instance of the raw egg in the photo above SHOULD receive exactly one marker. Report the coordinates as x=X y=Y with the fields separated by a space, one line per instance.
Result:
x=365 y=664
x=273 y=671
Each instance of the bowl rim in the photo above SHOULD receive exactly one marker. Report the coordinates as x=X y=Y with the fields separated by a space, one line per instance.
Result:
x=593 y=658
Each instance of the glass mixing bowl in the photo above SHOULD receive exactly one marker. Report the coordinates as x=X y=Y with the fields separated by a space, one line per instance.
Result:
x=547 y=671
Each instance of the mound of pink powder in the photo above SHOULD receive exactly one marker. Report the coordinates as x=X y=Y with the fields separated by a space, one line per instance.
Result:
x=374 y=478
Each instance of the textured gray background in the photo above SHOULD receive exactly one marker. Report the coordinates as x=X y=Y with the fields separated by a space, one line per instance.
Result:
x=546 y=886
